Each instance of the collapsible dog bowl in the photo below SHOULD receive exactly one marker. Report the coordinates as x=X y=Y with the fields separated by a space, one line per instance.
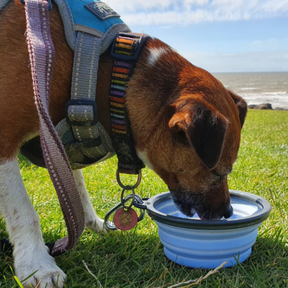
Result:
x=196 y=243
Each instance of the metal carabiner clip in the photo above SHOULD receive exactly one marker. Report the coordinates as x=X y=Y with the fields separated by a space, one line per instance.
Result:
x=110 y=225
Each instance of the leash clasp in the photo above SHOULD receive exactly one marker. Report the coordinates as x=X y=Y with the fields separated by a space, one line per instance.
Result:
x=122 y=210
x=136 y=201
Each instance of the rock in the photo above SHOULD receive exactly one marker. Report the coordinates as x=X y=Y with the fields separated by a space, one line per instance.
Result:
x=264 y=106
x=281 y=109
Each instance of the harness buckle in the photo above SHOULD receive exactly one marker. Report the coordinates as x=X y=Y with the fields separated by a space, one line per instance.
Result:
x=121 y=52
x=82 y=121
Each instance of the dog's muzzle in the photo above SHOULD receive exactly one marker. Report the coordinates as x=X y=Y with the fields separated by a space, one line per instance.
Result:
x=189 y=204
x=229 y=212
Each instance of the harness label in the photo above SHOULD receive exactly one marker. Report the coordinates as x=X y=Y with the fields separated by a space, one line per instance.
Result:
x=101 y=10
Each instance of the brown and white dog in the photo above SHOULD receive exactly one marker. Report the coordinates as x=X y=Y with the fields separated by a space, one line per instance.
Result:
x=185 y=124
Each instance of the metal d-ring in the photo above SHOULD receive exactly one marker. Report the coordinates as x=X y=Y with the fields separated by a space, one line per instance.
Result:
x=123 y=201
x=128 y=187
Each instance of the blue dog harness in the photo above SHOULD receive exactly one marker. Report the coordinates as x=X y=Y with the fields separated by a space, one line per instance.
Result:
x=90 y=28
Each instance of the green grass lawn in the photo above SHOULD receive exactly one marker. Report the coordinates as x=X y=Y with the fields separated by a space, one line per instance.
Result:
x=136 y=258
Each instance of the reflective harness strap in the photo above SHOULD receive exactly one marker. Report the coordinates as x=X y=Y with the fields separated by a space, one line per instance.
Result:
x=81 y=110
x=42 y=56
x=85 y=140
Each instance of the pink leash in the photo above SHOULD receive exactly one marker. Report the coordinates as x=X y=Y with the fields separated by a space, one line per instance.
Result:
x=42 y=58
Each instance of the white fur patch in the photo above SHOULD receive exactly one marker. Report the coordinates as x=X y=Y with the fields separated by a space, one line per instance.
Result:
x=23 y=227
x=143 y=156
x=93 y=222
x=155 y=54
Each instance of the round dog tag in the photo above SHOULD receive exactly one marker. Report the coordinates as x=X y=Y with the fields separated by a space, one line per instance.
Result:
x=125 y=219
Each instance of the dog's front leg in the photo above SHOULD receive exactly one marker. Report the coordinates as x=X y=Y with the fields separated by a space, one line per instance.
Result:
x=22 y=224
x=93 y=222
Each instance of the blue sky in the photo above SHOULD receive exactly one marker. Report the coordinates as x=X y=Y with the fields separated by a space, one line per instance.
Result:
x=217 y=35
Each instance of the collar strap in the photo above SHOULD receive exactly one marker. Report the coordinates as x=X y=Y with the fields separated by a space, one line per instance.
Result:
x=125 y=50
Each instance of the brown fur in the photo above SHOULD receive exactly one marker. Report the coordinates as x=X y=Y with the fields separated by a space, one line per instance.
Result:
x=180 y=92
x=183 y=118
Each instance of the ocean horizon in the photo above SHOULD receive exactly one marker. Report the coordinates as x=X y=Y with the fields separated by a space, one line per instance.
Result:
x=258 y=87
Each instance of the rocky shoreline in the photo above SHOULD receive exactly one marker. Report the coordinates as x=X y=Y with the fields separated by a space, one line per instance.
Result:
x=265 y=106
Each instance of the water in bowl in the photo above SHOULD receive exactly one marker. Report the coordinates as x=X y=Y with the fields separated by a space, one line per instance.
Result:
x=241 y=209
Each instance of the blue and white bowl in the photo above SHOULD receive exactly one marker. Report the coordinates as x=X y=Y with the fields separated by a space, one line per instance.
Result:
x=207 y=244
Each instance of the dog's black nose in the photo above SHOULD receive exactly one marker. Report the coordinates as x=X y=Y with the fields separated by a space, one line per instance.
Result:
x=229 y=212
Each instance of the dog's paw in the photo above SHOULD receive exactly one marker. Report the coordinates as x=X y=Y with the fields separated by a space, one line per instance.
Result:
x=46 y=279
x=96 y=225
x=48 y=274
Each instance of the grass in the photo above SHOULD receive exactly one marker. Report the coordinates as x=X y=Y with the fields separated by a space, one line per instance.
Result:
x=136 y=258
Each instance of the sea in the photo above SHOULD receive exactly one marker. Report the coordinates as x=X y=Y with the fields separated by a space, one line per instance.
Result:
x=258 y=88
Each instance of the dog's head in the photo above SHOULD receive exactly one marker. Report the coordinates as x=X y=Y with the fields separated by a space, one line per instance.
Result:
x=208 y=142
x=204 y=145
x=192 y=140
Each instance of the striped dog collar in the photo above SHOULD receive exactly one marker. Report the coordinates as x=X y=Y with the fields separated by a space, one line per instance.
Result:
x=125 y=51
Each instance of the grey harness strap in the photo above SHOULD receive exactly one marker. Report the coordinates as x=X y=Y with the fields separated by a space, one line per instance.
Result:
x=85 y=140
x=3 y=3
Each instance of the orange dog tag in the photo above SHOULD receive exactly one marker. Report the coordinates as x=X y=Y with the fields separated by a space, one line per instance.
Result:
x=125 y=219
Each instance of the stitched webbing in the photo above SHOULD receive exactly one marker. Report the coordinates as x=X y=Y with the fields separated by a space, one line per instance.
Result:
x=41 y=53
x=85 y=140
x=84 y=80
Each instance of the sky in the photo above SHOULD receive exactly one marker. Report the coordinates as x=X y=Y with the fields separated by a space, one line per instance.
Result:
x=217 y=35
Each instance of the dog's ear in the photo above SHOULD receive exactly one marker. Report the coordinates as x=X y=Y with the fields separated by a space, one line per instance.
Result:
x=202 y=127
x=241 y=105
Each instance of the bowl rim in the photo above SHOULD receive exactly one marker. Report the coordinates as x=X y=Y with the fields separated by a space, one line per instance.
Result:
x=254 y=219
